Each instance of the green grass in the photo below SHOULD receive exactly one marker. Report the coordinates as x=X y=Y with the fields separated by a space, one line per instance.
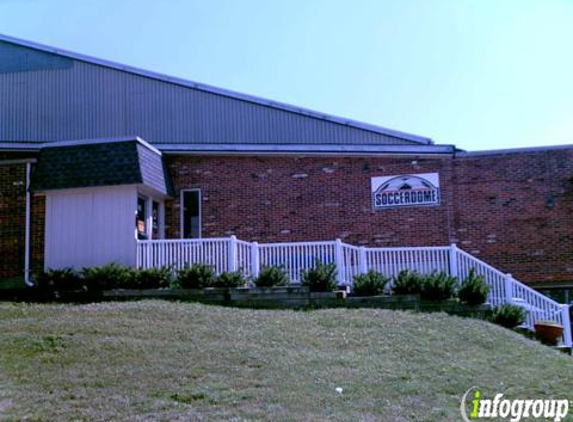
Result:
x=162 y=361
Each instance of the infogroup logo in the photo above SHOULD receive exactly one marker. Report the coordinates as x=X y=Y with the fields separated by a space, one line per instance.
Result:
x=474 y=406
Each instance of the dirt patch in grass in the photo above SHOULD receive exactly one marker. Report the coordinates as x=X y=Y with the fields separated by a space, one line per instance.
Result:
x=161 y=361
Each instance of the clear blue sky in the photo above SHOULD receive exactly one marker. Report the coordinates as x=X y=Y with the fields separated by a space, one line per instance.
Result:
x=481 y=74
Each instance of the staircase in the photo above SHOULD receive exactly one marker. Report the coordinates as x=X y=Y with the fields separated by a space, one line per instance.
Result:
x=505 y=289
x=231 y=254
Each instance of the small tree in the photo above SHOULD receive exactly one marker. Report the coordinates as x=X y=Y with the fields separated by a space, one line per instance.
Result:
x=508 y=315
x=370 y=284
x=438 y=286
x=110 y=276
x=407 y=282
x=230 y=279
x=473 y=290
x=321 y=278
x=197 y=276
x=272 y=276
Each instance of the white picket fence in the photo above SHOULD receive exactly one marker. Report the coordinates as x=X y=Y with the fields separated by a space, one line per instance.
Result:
x=231 y=254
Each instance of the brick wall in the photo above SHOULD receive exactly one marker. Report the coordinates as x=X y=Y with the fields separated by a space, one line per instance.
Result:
x=12 y=219
x=297 y=198
x=515 y=210
x=512 y=210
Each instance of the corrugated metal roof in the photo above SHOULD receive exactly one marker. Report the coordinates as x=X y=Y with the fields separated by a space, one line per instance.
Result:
x=45 y=100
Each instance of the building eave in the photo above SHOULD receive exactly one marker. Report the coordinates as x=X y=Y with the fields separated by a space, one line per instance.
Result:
x=305 y=149
x=524 y=150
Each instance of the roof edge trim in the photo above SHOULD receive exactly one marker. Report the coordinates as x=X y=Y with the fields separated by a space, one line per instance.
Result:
x=94 y=141
x=306 y=148
x=516 y=150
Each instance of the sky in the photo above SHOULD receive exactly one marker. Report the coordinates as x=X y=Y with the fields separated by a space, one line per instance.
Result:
x=480 y=74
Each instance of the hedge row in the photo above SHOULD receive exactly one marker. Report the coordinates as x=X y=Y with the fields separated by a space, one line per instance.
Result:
x=113 y=276
x=322 y=277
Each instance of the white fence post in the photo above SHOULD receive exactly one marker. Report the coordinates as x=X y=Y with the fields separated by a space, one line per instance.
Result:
x=363 y=263
x=453 y=260
x=233 y=253
x=255 y=263
x=509 y=288
x=565 y=316
x=339 y=258
x=148 y=246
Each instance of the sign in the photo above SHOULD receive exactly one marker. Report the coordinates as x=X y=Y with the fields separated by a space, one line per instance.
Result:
x=407 y=190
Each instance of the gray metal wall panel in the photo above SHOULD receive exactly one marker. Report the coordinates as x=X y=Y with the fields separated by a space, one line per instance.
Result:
x=91 y=101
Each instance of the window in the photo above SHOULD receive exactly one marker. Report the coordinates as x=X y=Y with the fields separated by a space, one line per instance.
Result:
x=141 y=218
x=191 y=213
x=155 y=213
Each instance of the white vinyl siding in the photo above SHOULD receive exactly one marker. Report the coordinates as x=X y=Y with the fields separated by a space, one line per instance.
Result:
x=90 y=227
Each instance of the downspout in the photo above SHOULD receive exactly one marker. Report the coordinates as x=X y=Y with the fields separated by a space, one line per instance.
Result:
x=27 y=235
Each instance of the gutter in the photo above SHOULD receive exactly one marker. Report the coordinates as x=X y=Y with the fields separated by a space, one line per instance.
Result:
x=27 y=235
x=304 y=149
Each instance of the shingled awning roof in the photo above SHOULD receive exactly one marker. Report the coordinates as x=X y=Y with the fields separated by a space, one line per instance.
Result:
x=82 y=164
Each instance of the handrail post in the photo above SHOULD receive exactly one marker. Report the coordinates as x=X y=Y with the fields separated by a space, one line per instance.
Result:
x=565 y=316
x=233 y=253
x=255 y=260
x=363 y=263
x=453 y=260
x=509 y=288
x=339 y=259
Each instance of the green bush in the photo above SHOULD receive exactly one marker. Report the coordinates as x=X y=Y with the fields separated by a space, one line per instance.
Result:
x=153 y=278
x=473 y=289
x=197 y=276
x=272 y=276
x=110 y=276
x=65 y=279
x=370 y=284
x=408 y=283
x=508 y=316
x=438 y=286
x=230 y=279
x=321 y=278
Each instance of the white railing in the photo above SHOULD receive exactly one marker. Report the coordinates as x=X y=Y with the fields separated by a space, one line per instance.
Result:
x=505 y=289
x=231 y=254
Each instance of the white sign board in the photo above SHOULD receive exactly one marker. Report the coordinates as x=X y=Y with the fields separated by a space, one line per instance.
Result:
x=406 y=190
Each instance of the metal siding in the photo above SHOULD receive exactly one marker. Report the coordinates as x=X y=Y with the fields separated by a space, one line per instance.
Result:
x=92 y=101
x=90 y=227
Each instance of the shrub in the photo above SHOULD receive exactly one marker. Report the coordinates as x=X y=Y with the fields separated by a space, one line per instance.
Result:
x=438 y=286
x=230 y=279
x=272 y=276
x=321 y=278
x=197 y=276
x=110 y=276
x=508 y=316
x=153 y=278
x=407 y=283
x=370 y=284
x=65 y=279
x=473 y=289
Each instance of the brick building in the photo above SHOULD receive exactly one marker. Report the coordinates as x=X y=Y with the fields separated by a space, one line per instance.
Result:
x=86 y=144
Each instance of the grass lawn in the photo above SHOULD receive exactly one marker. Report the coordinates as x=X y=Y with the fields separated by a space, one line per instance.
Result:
x=162 y=361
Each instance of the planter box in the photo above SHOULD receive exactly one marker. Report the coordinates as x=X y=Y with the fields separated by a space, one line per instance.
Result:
x=211 y=295
x=284 y=297
x=405 y=302
x=454 y=307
